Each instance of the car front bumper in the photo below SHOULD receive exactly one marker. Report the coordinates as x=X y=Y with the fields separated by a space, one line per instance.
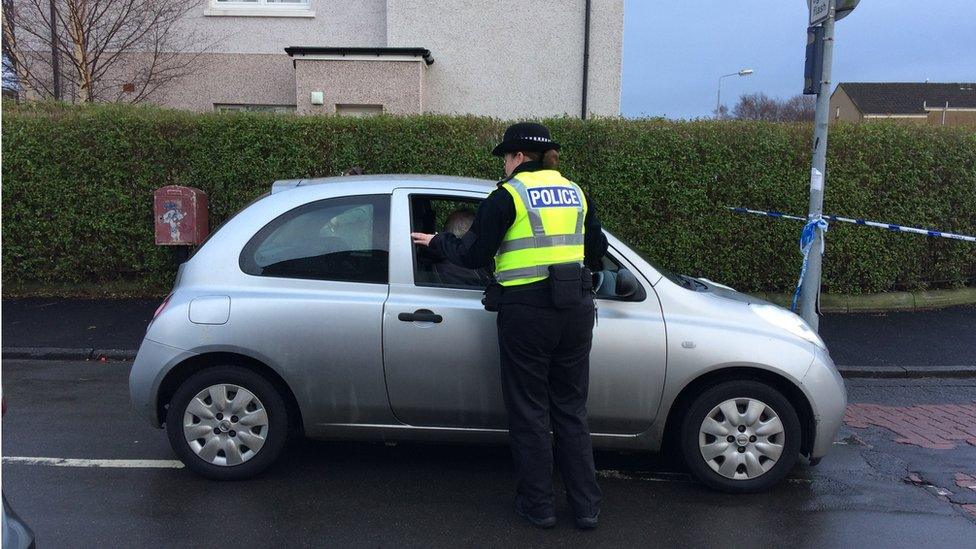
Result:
x=828 y=399
x=153 y=361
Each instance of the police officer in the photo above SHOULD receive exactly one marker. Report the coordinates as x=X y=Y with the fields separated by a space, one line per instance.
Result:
x=540 y=230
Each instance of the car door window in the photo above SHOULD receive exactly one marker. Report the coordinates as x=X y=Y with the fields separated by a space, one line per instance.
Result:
x=430 y=214
x=342 y=239
x=616 y=282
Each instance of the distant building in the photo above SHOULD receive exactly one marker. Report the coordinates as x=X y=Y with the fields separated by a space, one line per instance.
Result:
x=916 y=103
x=504 y=58
x=500 y=58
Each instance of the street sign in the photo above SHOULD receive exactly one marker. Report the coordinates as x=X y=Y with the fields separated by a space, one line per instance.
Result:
x=844 y=8
x=813 y=70
x=823 y=15
x=819 y=9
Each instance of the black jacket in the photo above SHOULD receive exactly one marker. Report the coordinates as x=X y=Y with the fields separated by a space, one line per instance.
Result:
x=496 y=214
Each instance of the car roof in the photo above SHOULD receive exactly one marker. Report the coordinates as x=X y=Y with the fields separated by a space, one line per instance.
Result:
x=388 y=181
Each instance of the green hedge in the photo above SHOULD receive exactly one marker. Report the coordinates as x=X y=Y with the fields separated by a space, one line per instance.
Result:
x=78 y=182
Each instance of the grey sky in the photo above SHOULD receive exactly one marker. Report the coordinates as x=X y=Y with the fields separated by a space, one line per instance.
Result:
x=674 y=51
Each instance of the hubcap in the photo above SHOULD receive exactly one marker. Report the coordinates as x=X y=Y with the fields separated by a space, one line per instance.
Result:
x=741 y=438
x=224 y=441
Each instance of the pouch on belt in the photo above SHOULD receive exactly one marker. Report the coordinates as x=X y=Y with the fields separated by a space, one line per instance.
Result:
x=568 y=283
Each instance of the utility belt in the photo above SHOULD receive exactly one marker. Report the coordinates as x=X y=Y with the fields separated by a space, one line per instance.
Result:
x=567 y=286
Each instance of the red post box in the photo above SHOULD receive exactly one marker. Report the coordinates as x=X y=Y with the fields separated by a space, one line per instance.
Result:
x=180 y=216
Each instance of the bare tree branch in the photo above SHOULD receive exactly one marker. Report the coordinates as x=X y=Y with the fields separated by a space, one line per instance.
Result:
x=115 y=50
x=759 y=106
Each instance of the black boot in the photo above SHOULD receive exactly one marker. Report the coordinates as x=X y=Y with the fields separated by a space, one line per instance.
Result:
x=587 y=523
x=538 y=522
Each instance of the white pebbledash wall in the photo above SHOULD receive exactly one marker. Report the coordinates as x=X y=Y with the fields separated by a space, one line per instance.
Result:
x=345 y=23
x=502 y=58
x=513 y=58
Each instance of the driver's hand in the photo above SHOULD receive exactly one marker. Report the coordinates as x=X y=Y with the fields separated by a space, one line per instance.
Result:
x=422 y=239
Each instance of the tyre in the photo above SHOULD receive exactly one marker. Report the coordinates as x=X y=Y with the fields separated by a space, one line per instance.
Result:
x=740 y=436
x=227 y=423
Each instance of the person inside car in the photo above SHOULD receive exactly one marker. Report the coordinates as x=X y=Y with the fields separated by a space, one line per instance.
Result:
x=458 y=223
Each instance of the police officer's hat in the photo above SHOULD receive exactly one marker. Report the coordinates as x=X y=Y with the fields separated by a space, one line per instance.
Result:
x=526 y=137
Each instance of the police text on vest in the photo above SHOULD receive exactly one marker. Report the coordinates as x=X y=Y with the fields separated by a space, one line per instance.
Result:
x=553 y=197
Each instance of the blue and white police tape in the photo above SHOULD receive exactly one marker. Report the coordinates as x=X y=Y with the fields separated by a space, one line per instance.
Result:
x=889 y=226
x=807 y=237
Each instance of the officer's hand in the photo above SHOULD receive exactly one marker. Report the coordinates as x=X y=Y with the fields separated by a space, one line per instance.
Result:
x=421 y=238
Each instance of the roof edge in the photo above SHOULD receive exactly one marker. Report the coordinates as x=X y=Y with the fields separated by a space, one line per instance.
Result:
x=910 y=83
x=850 y=97
x=423 y=53
x=889 y=98
x=286 y=184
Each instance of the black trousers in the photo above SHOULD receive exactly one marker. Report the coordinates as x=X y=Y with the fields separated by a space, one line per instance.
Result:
x=545 y=369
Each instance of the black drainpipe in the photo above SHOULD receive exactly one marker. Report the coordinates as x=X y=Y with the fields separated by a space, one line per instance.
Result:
x=586 y=55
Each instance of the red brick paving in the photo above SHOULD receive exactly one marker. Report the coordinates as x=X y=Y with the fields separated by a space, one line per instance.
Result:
x=966 y=481
x=938 y=426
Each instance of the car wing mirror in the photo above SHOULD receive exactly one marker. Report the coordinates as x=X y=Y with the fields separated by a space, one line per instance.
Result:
x=627 y=284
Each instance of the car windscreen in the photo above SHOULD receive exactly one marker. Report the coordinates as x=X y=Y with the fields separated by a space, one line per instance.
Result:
x=667 y=273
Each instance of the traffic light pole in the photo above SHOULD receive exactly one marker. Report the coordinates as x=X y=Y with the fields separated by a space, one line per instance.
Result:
x=810 y=287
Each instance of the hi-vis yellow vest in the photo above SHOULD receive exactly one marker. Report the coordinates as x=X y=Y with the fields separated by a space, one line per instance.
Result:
x=548 y=227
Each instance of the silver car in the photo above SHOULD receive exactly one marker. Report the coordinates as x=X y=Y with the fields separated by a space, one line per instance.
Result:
x=311 y=313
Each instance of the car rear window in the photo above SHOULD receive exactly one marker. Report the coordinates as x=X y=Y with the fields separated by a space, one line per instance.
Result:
x=342 y=239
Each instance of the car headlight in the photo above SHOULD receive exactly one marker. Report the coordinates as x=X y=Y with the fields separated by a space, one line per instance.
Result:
x=792 y=323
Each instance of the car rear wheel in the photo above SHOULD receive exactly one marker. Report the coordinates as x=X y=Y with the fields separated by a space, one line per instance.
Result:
x=740 y=436
x=227 y=423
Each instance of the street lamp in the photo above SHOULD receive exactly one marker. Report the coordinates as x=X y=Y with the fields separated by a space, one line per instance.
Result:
x=718 y=102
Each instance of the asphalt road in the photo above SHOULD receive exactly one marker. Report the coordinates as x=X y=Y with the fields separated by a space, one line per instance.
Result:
x=359 y=494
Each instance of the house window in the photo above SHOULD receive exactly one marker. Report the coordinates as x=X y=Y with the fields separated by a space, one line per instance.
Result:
x=277 y=109
x=260 y=8
x=276 y=3
x=358 y=110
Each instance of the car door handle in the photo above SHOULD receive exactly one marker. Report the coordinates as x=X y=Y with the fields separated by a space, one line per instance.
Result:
x=421 y=315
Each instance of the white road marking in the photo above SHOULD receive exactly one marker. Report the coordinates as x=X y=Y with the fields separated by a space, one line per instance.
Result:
x=116 y=463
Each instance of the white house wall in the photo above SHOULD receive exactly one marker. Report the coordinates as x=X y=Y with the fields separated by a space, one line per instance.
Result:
x=341 y=23
x=501 y=58
x=513 y=58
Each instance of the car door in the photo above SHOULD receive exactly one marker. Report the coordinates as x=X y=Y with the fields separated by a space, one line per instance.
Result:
x=316 y=281
x=629 y=355
x=440 y=346
x=440 y=371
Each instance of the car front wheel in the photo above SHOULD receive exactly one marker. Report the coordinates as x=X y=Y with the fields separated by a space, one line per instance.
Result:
x=227 y=423
x=740 y=436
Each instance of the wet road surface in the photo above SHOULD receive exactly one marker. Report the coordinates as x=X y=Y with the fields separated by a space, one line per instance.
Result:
x=870 y=491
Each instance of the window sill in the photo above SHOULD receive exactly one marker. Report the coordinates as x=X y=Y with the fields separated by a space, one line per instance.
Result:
x=258 y=12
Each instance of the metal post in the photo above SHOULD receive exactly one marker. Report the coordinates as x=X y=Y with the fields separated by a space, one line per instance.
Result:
x=718 y=101
x=55 y=65
x=810 y=290
x=586 y=56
